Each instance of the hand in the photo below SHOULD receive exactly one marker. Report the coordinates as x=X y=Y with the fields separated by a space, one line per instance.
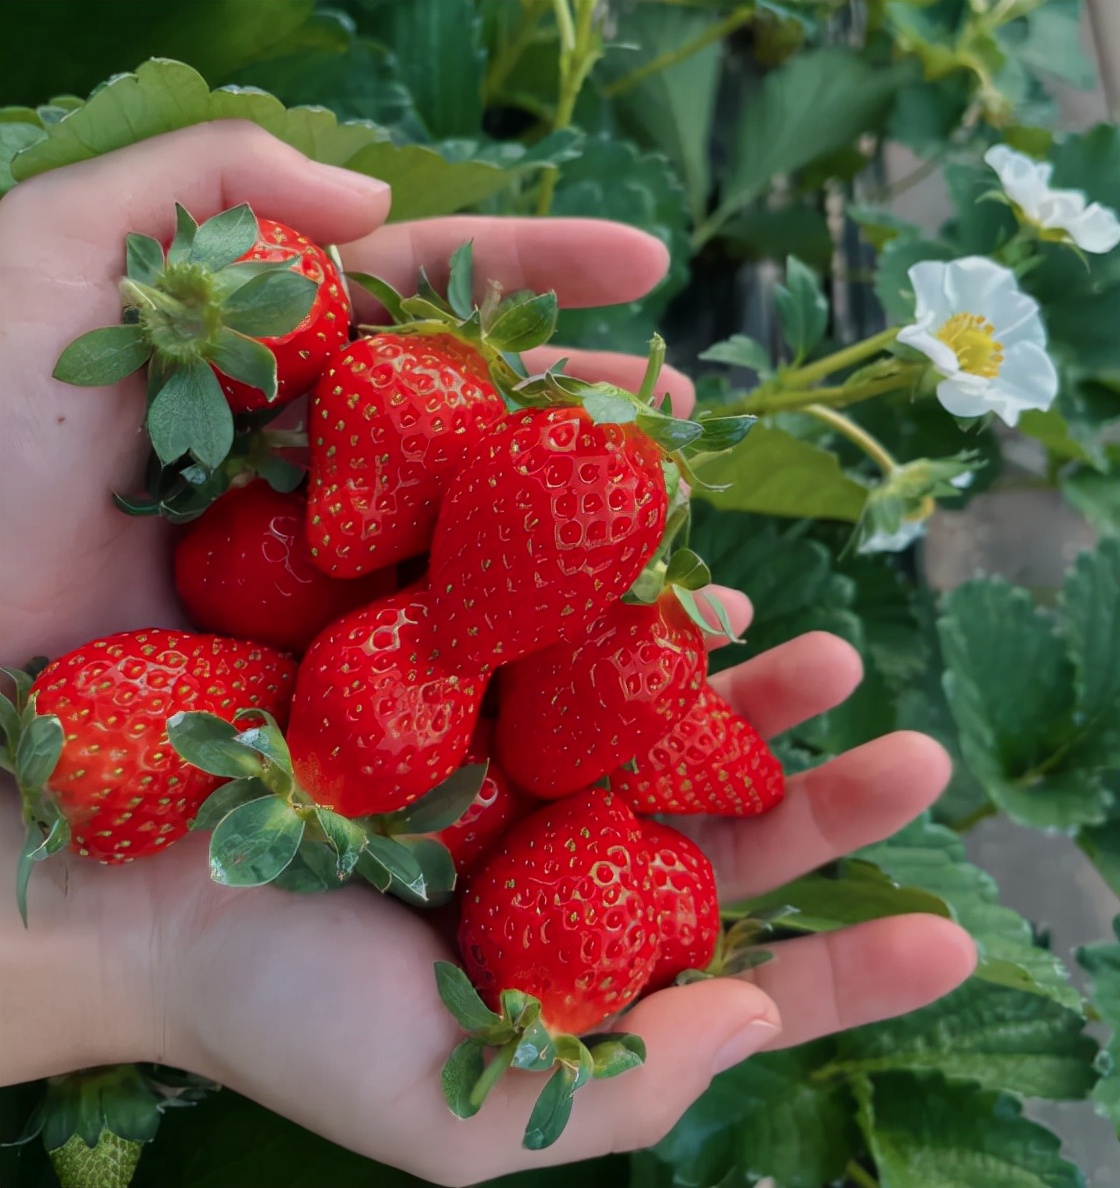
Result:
x=325 y=1009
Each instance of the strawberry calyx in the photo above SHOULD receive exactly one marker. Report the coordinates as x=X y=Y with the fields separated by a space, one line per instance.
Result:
x=501 y=327
x=30 y=747
x=93 y=1123
x=521 y=1040
x=266 y=829
x=189 y=310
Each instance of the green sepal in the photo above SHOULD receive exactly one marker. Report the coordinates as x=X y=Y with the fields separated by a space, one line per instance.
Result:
x=437 y=869
x=523 y=321
x=255 y=842
x=224 y=799
x=404 y=860
x=104 y=356
x=374 y=871
x=383 y=292
x=312 y=871
x=443 y=805
x=463 y=1000
x=552 y=1110
x=38 y=749
x=236 y=276
x=224 y=238
x=246 y=360
x=42 y=839
x=212 y=745
x=143 y=258
x=688 y=570
x=536 y=1050
x=609 y=406
x=460 y=1074
x=720 y=433
x=690 y=601
x=460 y=281
x=670 y=433
x=345 y=838
x=189 y=415
x=23 y=680
x=429 y=296
x=270 y=305
x=185 y=231
x=267 y=739
x=615 y=1054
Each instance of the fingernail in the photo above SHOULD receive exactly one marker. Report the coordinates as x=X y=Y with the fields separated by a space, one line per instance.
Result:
x=745 y=1042
x=358 y=183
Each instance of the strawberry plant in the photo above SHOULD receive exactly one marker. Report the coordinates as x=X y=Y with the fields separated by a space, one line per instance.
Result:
x=491 y=727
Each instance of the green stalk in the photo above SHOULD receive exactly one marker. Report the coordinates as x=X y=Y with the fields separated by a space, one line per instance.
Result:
x=806 y=376
x=502 y=64
x=863 y=1178
x=762 y=400
x=716 y=32
x=858 y=436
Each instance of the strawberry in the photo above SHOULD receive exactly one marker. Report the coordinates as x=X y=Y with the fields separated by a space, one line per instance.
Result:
x=301 y=354
x=391 y=420
x=97 y=764
x=244 y=569
x=495 y=807
x=563 y=910
x=570 y=714
x=684 y=886
x=542 y=530
x=712 y=761
x=380 y=715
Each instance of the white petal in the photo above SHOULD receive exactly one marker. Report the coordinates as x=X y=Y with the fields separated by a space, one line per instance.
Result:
x=894 y=542
x=934 y=307
x=976 y=285
x=1028 y=377
x=1024 y=180
x=943 y=357
x=1097 y=229
x=1016 y=320
x=963 y=400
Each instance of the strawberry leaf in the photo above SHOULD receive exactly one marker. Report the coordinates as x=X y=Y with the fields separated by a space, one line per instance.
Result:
x=247 y=360
x=224 y=238
x=462 y=999
x=37 y=846
x=460 y=282
x=536 y=1050
x=459 y=1076
x=223 y=800
x=38 y=750
x=609 y=407
x=344 y=837
x=524 y=321
x=267 y=739
x=144 y=258
x=103 y=356
x=22 y=680
x=437 y=869
x=445 y=803
x=254 y=843
x=687 y=569
x=190 y=415
x=402 y=864
x=383 y=292
x=720 y=433
x=211 y=744
x=670 y=433
x=270 y=304
x=374 y=871
x=185 y=230
x=616 y=1054
x=552 y=1110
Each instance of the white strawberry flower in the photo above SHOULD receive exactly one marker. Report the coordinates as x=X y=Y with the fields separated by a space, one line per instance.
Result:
x=983 y=335
x=1063 y=214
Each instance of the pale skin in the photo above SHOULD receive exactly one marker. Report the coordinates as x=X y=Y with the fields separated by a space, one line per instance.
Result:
x=325 y=1008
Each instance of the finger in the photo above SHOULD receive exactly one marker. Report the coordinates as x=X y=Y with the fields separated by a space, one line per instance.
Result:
x=611 y=367
x=792 y=682
x=566 y=255
x=860 y=797
x=690 y=1033
x=877 y=970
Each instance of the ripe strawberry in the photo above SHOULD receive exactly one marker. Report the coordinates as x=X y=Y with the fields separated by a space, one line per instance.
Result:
x=712 y=761
x=119 y=786
x=563 y=910
x=391 y=420
x=570 y=714
x=379 y=716
x=244 y=569
x=302 y=353
x=542 y=530
x=684 y=885
x=495 y=808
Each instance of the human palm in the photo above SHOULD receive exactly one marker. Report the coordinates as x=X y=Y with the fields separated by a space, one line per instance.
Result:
x=324 y=1008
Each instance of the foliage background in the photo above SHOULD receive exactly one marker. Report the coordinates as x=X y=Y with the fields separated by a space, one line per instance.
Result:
x=742 y=135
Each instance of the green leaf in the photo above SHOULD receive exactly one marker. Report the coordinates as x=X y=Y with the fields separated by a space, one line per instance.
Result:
x=383 y=292
x=268 y=740
x=346 y=839
x=741 y=351
x=524 y=322
x=437 y=871
x=14 y=138
x=210 y=744
x=1101 y=844
x=254 y=843
x=38 y=750
x=144 y=258
x=446 y=802
x=247 y=360
x=774 y=473
x=462 y=999
x=1096 y=497
x=1102 y=962
x=103 y=356
x=224 y=238
x=190 y=415
x=460 y=280
x=923 y=1132
x=400 y=862
x=460 y=1074
x=224 y=799
x=551 y=1110
x=616 y=1054
x=991 y=1035
x=185 y=231
x=270 y=305
x=802 y=308
x=767 y=1117
x=814 y=104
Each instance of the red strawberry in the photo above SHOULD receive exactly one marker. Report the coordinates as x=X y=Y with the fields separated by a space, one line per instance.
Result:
x=120 y=786
x=542 y=530
x=391 y=420
x=244 y=569
x=302 y=353
x=563 y=910
x=568 y=715
x=379 y=717
x=712 y=761
x=684 y=885
x=497 y=805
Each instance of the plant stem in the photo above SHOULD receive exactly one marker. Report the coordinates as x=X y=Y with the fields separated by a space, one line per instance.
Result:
x=503 y=62
x=715 y=32
x=846 y=427
x=796 y=400
x=577 y=55
x=804 y=377
x=974 y=818
x=863 y=1178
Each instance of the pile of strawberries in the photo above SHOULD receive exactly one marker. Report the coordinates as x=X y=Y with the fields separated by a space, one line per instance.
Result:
x=448 y=643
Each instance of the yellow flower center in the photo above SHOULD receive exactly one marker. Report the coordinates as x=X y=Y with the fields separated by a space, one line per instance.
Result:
x=972 y=339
